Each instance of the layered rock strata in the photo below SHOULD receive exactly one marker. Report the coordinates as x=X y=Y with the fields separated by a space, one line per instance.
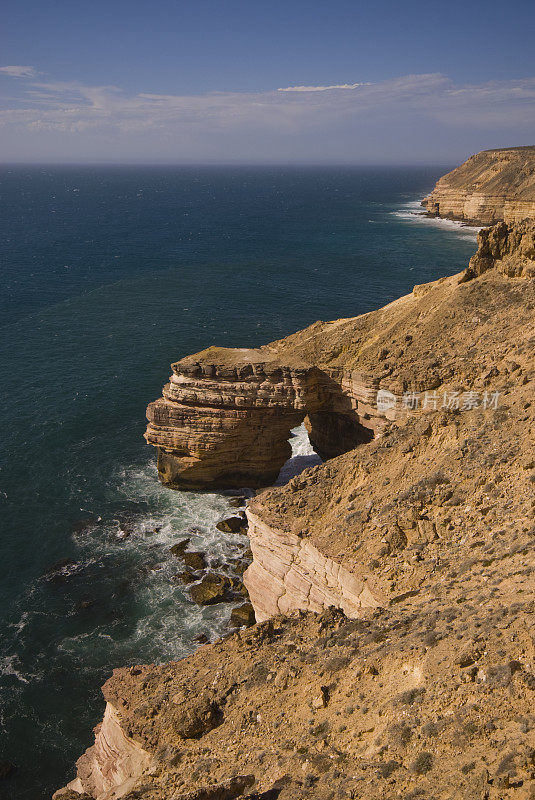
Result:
x=226 y=414
x=491 y=186
x=422 y=682
x=289 y=572
x=113 y=765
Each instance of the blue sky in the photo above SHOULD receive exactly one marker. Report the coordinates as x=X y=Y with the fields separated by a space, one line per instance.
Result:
x=207 y=81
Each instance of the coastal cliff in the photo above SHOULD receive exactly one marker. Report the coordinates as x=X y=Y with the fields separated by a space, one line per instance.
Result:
x=491 y=186
x=404 y=664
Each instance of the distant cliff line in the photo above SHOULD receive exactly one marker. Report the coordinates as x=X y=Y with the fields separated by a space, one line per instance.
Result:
x=491 y=186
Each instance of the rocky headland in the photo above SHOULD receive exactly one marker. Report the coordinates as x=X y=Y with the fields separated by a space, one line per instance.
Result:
x=491 y=186
x=393 y=585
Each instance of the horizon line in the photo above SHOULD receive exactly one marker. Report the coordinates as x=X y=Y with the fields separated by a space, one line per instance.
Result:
x=110 y=163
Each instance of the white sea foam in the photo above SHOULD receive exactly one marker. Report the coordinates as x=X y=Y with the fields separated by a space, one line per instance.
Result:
x=8 y=666
x=412 y=212
x=166 y=621
x=303 y=456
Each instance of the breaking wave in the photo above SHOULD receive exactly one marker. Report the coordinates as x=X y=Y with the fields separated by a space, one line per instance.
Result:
x=412 y=212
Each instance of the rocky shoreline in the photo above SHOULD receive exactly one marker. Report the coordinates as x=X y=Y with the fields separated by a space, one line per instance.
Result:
x=394 y=588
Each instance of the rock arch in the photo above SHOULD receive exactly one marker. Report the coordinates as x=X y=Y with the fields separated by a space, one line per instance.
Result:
x=225 y=417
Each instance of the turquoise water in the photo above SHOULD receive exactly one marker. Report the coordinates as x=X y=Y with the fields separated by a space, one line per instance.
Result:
x=109 y=274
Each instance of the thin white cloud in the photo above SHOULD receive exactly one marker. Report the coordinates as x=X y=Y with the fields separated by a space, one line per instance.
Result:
x=70 y=107
x=322 y=88
x=17 y=71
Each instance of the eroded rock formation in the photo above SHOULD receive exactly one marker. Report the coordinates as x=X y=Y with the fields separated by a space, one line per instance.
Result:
x=491 y=186
x=508 y=248
x=226 y=414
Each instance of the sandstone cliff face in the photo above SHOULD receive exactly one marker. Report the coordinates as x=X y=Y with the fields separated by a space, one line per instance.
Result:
x=491 y=186
x=422 y=682
x=112 y=767
x=289 y=572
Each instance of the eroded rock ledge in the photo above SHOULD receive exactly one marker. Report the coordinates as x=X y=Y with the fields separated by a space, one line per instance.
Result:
x=491 y=186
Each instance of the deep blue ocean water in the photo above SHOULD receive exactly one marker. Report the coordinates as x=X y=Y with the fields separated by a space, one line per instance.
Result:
x=109 y=275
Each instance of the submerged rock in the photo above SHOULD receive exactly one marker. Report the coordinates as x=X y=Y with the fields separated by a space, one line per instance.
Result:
x=194 y=559
x=213 y=588
x=7 y=768
x=83 y=605
x=61 y=571
x=232 y=525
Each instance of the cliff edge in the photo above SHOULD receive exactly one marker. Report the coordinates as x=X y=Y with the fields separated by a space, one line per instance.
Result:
x=491 y=186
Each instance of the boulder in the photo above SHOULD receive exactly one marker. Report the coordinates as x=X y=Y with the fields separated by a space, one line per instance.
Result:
x=213 y=588
x=232 y=525
x=185 y=577
x=237 y=587
x=194 y=559
x=242 y=565
x=179 y=548
x=243 y=616
x=237 y=502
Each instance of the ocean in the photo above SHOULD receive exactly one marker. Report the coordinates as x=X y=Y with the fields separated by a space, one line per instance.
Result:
x=109 y=274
